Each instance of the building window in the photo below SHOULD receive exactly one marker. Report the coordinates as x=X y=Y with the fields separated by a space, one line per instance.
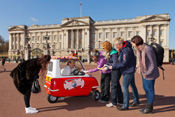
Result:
x=60 y=46
x=122 y=34
x=38 y=38
x=147 y=33
x=33 y=38
x=55 y=37
x=60 y=37
x=114 y=34
x=161 y=32
x=100 y=35
x=100 y=45
x=129 y=34
x=154 y=33
x=107 y=35
x=137 y=33
x=161 y=43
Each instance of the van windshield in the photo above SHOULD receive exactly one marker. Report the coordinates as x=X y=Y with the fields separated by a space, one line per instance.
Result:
x=70 y=67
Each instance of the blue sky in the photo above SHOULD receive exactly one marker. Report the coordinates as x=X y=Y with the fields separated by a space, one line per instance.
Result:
x=42 y=12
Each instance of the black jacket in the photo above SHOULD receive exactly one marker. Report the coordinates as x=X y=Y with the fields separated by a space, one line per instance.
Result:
x=127 y=59
x=23 y=74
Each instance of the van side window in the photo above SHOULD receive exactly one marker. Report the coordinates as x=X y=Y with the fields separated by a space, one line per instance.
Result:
x=50 y=66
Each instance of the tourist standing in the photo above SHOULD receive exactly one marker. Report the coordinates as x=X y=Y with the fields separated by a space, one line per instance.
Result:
x=147 y=67
x=98 y=58
x=112 y=60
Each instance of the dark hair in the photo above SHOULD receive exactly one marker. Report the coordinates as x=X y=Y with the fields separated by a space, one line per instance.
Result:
x=68 y=62
x=137 y=40
x=95 y=53
x=43 y=61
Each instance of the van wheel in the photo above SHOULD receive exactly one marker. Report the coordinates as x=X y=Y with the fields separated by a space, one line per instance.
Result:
x=52 y=99
x=95 y=95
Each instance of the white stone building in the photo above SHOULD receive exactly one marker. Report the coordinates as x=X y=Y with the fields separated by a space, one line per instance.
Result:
x=83 y=34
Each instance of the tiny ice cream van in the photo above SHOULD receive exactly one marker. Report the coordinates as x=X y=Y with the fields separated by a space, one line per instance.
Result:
x=66 y=77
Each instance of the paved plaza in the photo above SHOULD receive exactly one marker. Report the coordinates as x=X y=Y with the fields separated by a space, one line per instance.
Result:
x=12 y=103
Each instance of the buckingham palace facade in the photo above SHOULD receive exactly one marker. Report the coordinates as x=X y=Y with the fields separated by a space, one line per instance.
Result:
x=82 y=34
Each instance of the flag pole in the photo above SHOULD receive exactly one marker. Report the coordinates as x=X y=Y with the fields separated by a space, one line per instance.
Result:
x=80 y=9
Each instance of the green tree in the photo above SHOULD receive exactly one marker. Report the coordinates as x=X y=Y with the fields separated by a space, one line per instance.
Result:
x=4 y=45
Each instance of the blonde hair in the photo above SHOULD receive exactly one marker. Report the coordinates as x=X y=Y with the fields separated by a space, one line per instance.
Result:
x=118 y=40
x=107 y=46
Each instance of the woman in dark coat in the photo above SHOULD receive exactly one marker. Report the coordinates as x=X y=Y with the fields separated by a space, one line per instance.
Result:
x=112 y=60
x=23 y=77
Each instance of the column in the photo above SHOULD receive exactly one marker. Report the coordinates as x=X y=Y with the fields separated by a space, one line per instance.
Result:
x=158 y=34
x=14 y=41
x=167 y=36
x=111 y=38
x=88 y=44
x=77 y=39
x=10 y=41
x=41 y=38
x=103 y=34
x=96 y=38
x=17 y=41
x=151 y=33
x=118 y=32
x=72 y=38
x=133 y=32
x=30 y=41
x=83 y=38
x=58 y=40
x=88 y=39
x=126 y=34
x=144 y=33
x=66 y=40
x=35 y=40
x=10 y=45
x=62 y=40
x=23 y=39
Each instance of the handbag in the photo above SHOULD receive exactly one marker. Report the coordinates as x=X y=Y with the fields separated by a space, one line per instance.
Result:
x=35 y=85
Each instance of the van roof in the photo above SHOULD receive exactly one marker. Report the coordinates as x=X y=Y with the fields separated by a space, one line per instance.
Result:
x=64 y=57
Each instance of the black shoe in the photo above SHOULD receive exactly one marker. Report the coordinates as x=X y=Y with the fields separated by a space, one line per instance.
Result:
x=148 y=109
x=133 y=104
x=122 y=108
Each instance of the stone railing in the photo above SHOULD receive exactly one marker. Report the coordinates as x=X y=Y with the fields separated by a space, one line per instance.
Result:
x=44 y=26
x=117 y=20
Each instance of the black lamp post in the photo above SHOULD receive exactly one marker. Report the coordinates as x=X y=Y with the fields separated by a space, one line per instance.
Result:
x=53 y=47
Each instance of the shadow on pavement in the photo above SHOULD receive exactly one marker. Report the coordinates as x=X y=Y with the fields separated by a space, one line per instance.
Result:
x=73 y=103
x=160 y=100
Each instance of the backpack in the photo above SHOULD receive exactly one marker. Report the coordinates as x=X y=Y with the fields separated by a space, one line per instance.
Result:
x=159 y=52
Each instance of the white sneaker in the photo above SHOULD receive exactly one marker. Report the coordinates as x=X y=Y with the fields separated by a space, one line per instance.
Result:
x=110 y=105
x=33 y=108
x=30 y=110
x=61 y=98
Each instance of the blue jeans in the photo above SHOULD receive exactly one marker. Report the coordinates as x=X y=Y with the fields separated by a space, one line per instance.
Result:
x=129 y=79
x=116 y=91
x=148 y=86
